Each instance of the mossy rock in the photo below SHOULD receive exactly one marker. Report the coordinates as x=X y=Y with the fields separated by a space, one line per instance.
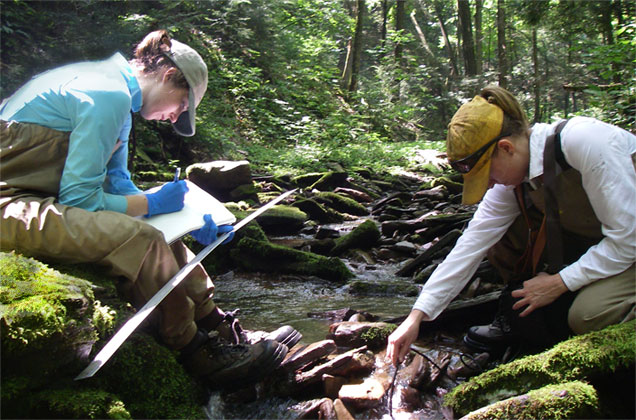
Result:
x=46 y=318
x=282 y=219
x=570 y=400
x=150 y=381
x=341 y=203
x=330 y=181
x=596 y=353
x=77 y=404
x=318 y=212
x=364 y=236
x=452 y=186
x=306 y=180
x=245 y=192
x=253 y=255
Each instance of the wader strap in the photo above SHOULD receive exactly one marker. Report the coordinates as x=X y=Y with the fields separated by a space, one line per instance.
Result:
x=554 y=245
x=536 y=239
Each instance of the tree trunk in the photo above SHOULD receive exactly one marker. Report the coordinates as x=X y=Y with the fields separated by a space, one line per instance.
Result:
x=385 y=12
x=447 y=44
x=399 y=27
x=420 y=34
x=468 y=45
x=501 y=44
x=357 y=46
x=537 y=82
x=479 y=4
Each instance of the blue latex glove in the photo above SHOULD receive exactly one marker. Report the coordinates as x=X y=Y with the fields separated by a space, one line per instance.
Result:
x=168 y=199
x=209 y=232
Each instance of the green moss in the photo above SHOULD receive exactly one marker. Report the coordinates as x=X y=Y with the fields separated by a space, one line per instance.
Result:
x=376 y=337
x=306 y=180
x=577 y=358
x=329 y=181
x=282 y=217
x=571 y=400
x=341 y=203
x=452 y=186
x=39 y=304
x=364 y=236
x=252 y=255
x=78 y=404
x=151 y=383
x=317 y=211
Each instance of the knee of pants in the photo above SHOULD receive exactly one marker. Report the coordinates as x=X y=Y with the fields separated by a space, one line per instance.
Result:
x=583 y=319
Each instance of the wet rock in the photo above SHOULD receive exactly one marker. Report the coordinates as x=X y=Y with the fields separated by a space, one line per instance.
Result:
x=332 y=384
x=307 y=355
x=326 y=232
x=383 y=288
x=469 y=366
x=349 y=334
x=320 y=409
x=362 y=396
x=447 y=240
x=337 y=363
x=342 y=412
x=364 y=236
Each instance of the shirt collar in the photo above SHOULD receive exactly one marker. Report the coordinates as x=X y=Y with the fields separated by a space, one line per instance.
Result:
x=133 y=85
x=538 y=136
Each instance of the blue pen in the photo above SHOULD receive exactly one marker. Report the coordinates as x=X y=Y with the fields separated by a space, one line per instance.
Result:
x=177 y=174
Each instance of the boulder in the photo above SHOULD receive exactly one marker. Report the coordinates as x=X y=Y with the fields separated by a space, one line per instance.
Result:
x=220 y=177
x=364 y=236
x=253 y=255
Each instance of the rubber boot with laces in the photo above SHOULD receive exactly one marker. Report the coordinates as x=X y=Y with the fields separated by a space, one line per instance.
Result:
x=230 y=329
x=494 y=336
x=232 y=366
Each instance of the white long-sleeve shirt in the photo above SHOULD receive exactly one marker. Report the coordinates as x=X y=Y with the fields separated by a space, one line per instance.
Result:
x=602 y=153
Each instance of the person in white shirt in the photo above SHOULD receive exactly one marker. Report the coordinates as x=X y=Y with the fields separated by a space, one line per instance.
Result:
x=502 y=160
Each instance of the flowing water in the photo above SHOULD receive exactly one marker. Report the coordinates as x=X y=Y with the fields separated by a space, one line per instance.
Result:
x=267 y=301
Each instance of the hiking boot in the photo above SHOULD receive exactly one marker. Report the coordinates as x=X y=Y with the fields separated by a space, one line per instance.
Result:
x=490 y=337
x=230 y=330
x=232 y=366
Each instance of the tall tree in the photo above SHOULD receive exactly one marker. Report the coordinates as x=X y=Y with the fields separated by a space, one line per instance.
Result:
x=349 y=79
x=479 y=37
x=399 y=27
x=468 y=45
x=449 y=48
x=501 y=43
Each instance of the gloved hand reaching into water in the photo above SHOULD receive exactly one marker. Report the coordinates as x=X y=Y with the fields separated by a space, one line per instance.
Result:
x=209 y=232
x=168 y=199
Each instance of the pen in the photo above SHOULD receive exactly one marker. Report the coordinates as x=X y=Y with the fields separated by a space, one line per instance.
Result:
x=177 y=174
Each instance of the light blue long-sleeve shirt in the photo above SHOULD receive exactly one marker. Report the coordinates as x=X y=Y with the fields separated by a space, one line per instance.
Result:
x=92 y=101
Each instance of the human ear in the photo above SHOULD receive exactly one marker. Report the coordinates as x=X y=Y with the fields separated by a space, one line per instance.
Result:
x=505 y=145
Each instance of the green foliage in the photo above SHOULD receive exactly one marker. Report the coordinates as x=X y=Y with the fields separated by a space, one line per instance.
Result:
x=80 y=404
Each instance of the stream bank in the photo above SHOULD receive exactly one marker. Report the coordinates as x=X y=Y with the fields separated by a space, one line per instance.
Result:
x=346 y=258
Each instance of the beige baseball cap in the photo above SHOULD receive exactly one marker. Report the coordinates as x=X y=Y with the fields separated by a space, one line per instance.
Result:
x=473 y=126
x=196 y=73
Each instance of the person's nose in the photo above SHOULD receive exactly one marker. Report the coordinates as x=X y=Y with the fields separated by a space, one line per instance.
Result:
x=173 y=117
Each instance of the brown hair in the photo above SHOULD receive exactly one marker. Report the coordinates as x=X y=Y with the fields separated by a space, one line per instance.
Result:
x=149 y=55
x=515 y=120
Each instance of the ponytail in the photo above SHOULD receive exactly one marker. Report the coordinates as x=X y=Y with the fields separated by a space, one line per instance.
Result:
x=515 y=120
x=150 y=56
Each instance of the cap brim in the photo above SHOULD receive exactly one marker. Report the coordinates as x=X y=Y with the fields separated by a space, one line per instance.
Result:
x=476 y=183
x=185 y=125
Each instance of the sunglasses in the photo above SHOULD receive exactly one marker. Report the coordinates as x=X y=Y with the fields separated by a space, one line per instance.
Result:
x=465 y=165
